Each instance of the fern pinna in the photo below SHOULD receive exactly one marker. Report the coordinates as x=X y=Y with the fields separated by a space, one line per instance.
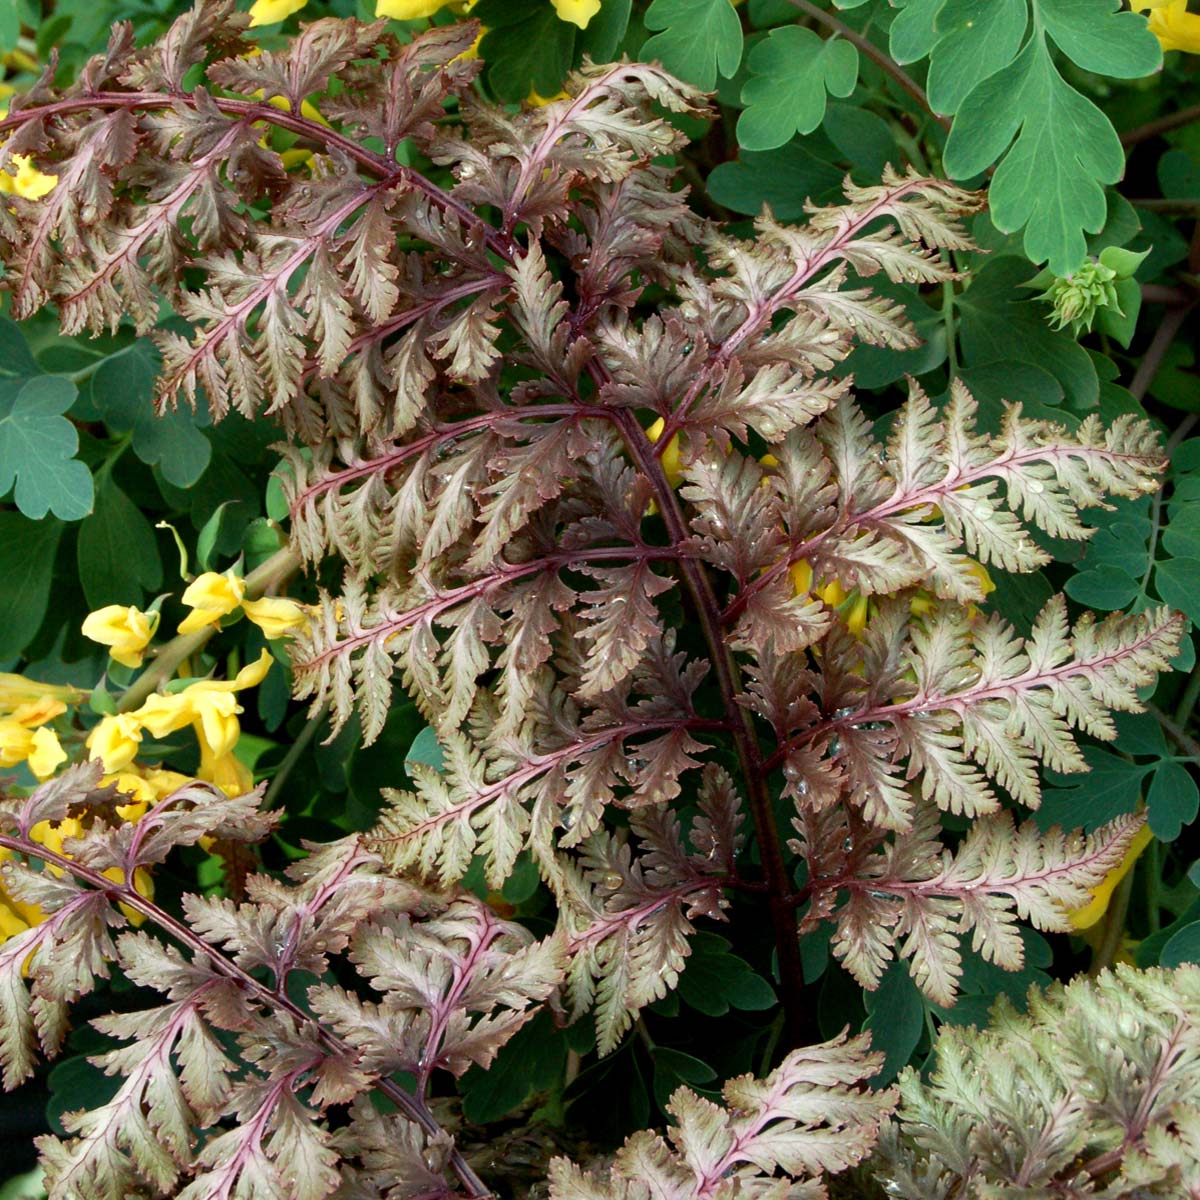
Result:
x=686 y=624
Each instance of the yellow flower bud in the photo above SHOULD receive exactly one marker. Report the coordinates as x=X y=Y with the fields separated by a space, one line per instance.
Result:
x=1095 y=908
x=577 y=12
x=46 y=754
x=1171 y=23
x=277 y=616
x=126 y=631
x=115 y=741
x=16 y=691
x=271 y=12
x=670 y=456
x=409 y=10
x=210 y=597
x=27 y=181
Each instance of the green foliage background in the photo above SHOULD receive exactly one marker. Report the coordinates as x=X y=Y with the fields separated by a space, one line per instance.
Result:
x=1086 y=137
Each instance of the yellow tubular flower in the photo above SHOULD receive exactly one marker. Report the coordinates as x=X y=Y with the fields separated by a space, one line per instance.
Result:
x=670 y=456
x=1095 y=908
x=271 y=12
x=16 y=692
x=1171 y=23
x=536 y=101
x=210 y=597
x=227 y=771
x=277 y=616
x=26 y=181
x=802 y=577
x=126 y=631
x=46 y=754
x=577 y=12
x=208 y=704
x=115 y=741
x=16 y=741
x=163 y=782
x=409 y=10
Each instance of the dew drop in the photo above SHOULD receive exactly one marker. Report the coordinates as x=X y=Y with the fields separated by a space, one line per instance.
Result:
x=1036 y=486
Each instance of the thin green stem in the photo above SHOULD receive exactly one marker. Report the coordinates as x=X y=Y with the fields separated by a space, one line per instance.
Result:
x=1188 y=698
x=1153 y=861
x=292 y=757
x=1114 y=928
x=949 y=324
x=85 y=373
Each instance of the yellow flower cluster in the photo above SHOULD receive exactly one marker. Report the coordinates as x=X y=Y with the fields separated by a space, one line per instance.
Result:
x=26 y=708
x=1171 y=23
x=271 y=12
x=127 y=631
x=209 y=706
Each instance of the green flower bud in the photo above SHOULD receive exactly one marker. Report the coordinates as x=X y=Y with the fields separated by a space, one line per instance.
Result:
x=1077 y=298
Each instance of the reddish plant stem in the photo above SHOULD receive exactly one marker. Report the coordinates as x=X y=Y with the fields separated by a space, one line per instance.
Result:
x=413 y=1107
x=783 y=919
x=1152 y=129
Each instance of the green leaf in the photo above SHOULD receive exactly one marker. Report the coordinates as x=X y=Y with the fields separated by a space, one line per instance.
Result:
x=1106 y=588
x=1109 y=789
x=123 y=393
x=1181 y=536
x=426 y=749
x=1119 y=322
x=897 y=1017
x=16 y=360
x=1175 y=581
x=27 y=550
x=1050 y=180
x=783 y=179
x=672 y=1068
x=10 y=24
x=999 y=323
x=533 y=1061
x=524 y=49
x=791 y=70
x=1172 y=801
x=974 y=41
x=699 y=39
x=1140 y=734
x=117 y=553
x=606 y=30
x=1098 y=36
x=714 y=980
x=913 y=33
x=862 y=137
x=1183 y=947
x=37 y=449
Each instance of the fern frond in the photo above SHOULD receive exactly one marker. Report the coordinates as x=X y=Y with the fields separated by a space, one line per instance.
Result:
x=809 y=1117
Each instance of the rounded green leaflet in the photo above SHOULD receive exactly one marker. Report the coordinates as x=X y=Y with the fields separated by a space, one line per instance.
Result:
x=37 y=449
x=697 y=39
x=791 y=72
